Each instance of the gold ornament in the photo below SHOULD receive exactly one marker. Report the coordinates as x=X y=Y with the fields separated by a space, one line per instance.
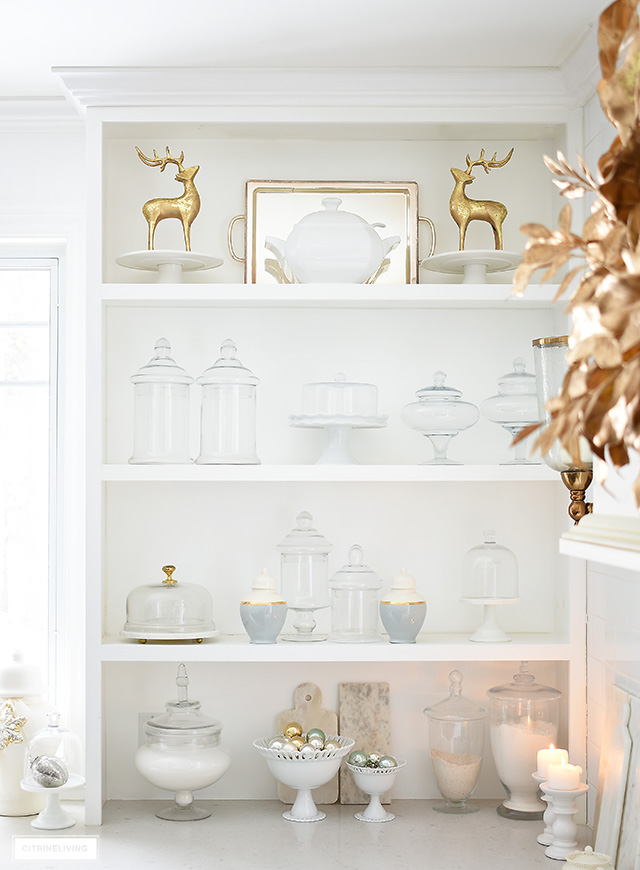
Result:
x=10 y=725
x=464 y=210
x=293 y=729
x=600 y=396
x=185 y=207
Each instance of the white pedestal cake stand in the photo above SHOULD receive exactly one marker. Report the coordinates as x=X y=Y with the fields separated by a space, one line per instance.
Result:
x=472 y=265
x=169 y=265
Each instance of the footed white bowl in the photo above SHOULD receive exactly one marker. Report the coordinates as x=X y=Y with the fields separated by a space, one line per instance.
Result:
x=304 y=774
x=375 y=781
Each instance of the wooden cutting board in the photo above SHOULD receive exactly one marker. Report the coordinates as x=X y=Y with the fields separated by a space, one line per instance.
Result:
x=308 y=713
x=365 y=716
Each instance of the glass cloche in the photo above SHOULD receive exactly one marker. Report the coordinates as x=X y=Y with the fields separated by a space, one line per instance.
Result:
x=169 y=610
x=456 y=737
x=514 y=407
x=440 y=415
x=523 y=719
x=182 y=753
x=490 y=578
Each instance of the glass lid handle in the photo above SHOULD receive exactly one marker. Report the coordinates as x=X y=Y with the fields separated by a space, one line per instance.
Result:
x=162 y=349
x=519 y=365
x=356 y=556
x=455 y=683
x=339 y=377
x=489 y=536
x=228 y=349
x=438 y=379
x=524 y=676
x=304 y=521
x=169 y=579
x=182 y=681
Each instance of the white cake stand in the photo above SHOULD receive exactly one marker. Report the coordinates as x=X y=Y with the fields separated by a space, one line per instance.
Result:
x=168 y=264
x=337 y=429
x=53 y=817
x=472 y=265
x=489 y=631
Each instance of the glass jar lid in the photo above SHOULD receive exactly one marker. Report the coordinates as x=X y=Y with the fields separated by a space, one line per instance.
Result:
x=489 y=572
x=161 y=611
x=456 y=707
x=355 y=574
x=304 y=538
x=438 y=392
x=519 y=381
x=228 y=369
x=161 y=368
x=182 y=717
x=524 y=688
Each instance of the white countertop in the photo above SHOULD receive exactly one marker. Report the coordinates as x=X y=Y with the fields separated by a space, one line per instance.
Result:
x=252 y=835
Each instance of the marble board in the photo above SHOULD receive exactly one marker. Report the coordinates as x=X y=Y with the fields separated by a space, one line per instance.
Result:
x=364 y=715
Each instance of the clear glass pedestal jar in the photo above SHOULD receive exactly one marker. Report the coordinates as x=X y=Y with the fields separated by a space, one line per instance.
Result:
x=182 y=753
x=304 y=576
x=523 y=719
x=515 y=407
x=456 y=737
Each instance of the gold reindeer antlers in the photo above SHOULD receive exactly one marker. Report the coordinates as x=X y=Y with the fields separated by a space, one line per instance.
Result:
x=185 y=208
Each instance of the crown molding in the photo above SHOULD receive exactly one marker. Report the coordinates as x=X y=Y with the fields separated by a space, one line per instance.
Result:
x=39 y=115
x=90 y=87
x=581 y=71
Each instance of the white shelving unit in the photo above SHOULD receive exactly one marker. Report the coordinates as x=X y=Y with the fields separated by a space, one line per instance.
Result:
x=219 y=525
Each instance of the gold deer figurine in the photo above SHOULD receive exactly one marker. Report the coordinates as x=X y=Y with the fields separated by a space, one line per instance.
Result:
x=463 y=210
x=185 y=207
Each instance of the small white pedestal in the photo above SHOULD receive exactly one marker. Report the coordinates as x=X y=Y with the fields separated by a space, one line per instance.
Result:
x=53 y=817
x=549 y=817
x=337 y=429
x=168 y=264
x=564 y=831
x=472 y=265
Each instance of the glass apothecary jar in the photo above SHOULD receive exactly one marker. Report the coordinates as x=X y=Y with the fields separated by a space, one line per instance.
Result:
x=523 y=719
x=403 y=609
x=514 y=407
x=440 y=415
x=456 y=738
x=169 y=610
x=228 y=411
x=182 y=753
x=489 y=579
x=355 y=592
x=161 y=410
x=304 y=576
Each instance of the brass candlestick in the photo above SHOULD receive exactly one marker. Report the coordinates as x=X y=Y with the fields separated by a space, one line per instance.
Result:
x=577 y=482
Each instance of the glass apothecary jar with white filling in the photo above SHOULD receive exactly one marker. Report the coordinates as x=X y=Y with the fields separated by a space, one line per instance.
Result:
x=523 y=719
x=355 y=591
x=304 y=576
x=182 y=753
x=456 y=738
x=161 y=410
x=228 y=411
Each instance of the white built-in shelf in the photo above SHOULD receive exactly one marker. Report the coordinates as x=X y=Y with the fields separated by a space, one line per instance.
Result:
x=329 y=473
x=612 y=556
x=330 y=295
x=429 y=648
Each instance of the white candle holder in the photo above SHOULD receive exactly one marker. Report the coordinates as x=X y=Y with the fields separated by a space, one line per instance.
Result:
x=549 y=816
x=564 y=831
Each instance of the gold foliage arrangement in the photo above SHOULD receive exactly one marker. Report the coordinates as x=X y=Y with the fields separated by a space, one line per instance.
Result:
x=600 y=397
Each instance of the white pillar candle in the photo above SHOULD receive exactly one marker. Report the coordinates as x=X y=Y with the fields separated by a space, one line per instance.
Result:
x=565 y=777
x=550 y=756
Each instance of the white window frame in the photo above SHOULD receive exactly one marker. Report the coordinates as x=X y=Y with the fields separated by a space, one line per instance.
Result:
x=61 y=238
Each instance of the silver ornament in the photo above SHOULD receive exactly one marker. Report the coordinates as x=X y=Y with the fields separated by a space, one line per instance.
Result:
x=316 y=742
x=332 y=744
x=373 y=759
x=387 y=761
x=358 y=758
x=308 y=751
x=49 y=771
x=288 y=746
x=277 y=742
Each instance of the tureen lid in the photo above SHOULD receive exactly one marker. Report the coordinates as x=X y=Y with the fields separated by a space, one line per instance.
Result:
x=456 y=706
x=355 y=574
x=304 y=538
x=588 y=858
x=182 y=715
x=161 y=368
x=228 y=368
x=524 y=687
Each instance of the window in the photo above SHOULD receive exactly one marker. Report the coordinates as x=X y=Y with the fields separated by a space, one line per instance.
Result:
x=28 y=450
